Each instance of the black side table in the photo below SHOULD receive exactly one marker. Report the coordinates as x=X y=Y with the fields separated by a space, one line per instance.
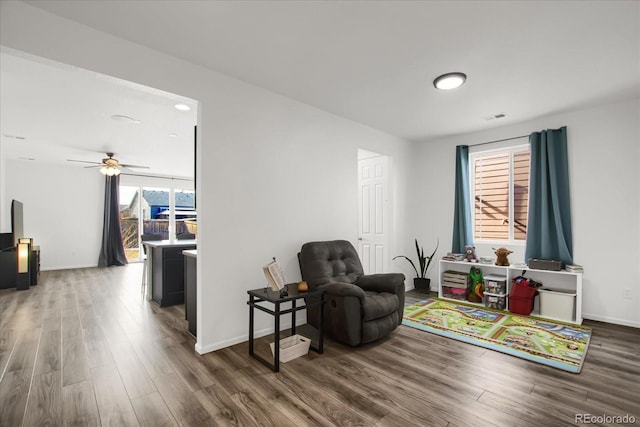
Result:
x=257 y=296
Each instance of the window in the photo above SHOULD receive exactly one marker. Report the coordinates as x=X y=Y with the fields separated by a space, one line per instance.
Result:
x=500 y=194
x=130 y=222
x=186 y=217
x=146 y=210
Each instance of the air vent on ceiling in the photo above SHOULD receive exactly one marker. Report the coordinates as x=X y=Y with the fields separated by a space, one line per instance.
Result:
x=14 y=136
x=496 y=116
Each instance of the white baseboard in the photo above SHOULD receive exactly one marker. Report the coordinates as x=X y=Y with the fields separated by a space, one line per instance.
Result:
x=70 y=267
x=613 y=320
x=207 y=348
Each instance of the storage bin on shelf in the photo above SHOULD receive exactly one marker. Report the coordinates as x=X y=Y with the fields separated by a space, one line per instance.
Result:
x=456 y=279
x=454 y=284
x=454 y=293
x=292 y=347
x=498 y=301
x=522 y=296
x=545 y=264
x=495 y=284
x=557 y=304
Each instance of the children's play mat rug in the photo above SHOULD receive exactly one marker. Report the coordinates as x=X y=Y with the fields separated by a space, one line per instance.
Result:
x=556 y=344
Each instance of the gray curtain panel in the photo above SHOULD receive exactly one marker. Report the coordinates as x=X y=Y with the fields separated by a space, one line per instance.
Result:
x=112 y=250
x=549 y=233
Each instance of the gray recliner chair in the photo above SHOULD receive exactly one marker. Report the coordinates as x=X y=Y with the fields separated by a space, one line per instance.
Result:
x=358 y=308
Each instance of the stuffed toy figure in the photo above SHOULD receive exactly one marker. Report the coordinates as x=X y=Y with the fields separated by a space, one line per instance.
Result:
x=502 y=254
x=470 y=254
x=476 y=290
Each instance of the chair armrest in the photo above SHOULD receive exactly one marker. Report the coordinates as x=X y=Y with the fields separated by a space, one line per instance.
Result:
x=339 y=289
x=392 y=283
x=389 y=282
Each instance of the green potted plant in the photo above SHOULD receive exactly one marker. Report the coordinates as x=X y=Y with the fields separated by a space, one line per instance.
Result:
x=421 y=282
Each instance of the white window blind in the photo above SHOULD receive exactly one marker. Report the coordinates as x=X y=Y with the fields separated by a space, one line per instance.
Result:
x=500 y=194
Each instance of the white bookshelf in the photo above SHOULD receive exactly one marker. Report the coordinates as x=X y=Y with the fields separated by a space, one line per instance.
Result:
x=562 y=280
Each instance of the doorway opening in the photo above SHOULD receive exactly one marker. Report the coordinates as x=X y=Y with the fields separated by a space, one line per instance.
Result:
x=141 y=125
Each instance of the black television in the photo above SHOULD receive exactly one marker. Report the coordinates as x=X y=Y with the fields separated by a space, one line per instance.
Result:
x=17 y=223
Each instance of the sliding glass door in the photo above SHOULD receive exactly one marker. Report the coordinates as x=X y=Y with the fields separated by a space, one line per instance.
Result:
x=130 y=221
x=167 y=212
x=155 y=212
x=185 y=214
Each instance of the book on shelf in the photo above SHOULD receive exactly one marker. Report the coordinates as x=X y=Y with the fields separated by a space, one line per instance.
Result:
x=274 y=275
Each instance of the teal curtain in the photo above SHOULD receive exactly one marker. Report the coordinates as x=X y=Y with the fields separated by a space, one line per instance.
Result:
x=549 y=222
x=462 y=211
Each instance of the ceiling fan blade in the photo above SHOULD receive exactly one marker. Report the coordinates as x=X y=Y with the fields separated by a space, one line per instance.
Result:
x=83 y=161
x=94 y=166
x=134 y=166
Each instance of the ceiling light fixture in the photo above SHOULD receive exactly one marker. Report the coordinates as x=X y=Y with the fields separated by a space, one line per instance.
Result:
x=449 y=81
x=110 y=170
x=182 y=107
x=110 y=166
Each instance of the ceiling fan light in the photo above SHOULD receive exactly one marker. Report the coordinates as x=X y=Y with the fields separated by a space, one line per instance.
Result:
x=110 y=170
x=449 y=81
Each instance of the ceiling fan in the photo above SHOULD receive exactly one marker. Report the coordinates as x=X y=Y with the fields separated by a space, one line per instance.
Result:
x=109 y=165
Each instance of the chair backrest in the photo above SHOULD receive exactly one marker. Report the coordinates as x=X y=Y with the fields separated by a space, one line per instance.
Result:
x=186 y=236
x=331 y=261
x=149 y=237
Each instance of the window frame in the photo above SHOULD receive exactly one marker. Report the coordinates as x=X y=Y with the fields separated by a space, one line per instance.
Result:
x=172 y=189
x=511 y=150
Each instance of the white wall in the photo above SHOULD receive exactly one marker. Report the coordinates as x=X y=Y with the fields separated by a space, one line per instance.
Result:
x=604 y=153
x=63 y=211
x=5 y=208
x=272 y=173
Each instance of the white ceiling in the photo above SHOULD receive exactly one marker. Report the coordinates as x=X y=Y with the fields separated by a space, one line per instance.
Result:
x=374 y=62
x=64 y=113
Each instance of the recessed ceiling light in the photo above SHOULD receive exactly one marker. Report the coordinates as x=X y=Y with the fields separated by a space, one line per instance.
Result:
x=173 y=135
x=449 y=81
x=182 y=107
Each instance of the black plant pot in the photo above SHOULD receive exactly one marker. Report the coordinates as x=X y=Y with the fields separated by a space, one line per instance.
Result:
x=422 y=285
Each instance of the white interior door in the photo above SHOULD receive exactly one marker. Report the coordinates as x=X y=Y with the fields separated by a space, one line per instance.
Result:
x=374 y=218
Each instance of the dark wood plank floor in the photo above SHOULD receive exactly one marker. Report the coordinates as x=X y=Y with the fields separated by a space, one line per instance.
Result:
x=83 y=348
